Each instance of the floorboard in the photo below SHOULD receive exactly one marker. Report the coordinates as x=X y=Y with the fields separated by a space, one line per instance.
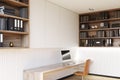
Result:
x=72 y=78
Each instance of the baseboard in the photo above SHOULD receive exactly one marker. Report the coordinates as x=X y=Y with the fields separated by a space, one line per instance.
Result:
x=101 y=77
x=104 y=75
x=95 y=77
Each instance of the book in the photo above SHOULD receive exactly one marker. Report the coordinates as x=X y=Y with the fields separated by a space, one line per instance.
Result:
x=109 y=42
x=21 y=26
x=10 y=24
x=24 y=12
x=115 y=33
x=15 y=24
x=1 y=9
x=1 y=40
x=2 y=23
x=18 y=25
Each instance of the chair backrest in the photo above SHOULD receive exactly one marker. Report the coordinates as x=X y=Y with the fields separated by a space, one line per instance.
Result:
x=86 y=67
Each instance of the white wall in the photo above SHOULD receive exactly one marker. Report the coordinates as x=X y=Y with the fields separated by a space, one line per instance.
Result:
x=52 y=25
x=14 y=61
x=105 y=61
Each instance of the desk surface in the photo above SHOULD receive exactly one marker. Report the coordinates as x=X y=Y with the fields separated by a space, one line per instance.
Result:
x=53 y=67
x=47 y=72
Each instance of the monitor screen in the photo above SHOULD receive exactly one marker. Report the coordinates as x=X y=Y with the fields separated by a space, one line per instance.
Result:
x=66 y=55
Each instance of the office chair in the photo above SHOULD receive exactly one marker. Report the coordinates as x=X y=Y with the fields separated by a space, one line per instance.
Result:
x=85 y=70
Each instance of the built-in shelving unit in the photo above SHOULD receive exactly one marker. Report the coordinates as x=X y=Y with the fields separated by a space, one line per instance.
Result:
x=15 y=3
x=14 y=23
x=100 y=29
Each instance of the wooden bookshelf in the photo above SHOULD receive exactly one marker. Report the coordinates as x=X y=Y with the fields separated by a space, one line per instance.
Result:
x=101 y=28
x=16 y=26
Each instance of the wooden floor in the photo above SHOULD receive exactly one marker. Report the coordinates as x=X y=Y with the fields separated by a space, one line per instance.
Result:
x=72 y=78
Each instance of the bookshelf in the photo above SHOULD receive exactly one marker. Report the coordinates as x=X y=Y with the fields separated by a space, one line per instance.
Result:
x=14 y=23
x=100 y=29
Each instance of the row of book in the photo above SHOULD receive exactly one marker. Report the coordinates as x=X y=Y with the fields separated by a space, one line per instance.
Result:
x=23 y=12
x=101 y=33
x=115 y=14
x=116 y=25
x=96 y=42
x=11 y=24
x=99 y=16
x=94 y=16
x=110 y=33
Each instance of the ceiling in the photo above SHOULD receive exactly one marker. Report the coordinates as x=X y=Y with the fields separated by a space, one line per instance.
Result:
x=83 y=6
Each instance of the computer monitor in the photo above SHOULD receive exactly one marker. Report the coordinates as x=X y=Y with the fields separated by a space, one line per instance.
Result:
x=66 y=56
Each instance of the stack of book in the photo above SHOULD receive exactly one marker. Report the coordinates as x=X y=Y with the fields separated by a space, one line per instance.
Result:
x=5 y=10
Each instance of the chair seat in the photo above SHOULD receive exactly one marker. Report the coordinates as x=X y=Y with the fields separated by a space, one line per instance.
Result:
x=78 y=73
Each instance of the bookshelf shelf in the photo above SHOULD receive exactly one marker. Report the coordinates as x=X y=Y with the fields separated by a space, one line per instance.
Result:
x=98 y=21
x=14 y=32
x=101 y=28
x=15 y=3
x=14 y=23
x=10 y=16
x=101 y=38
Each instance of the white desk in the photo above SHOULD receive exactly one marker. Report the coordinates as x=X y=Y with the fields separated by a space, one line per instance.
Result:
x=51 y=72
